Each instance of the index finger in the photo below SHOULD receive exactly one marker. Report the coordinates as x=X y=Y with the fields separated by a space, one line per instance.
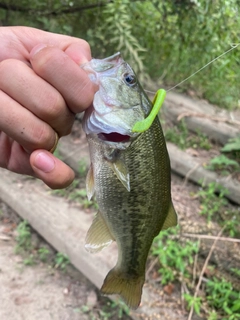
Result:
x=64 y=74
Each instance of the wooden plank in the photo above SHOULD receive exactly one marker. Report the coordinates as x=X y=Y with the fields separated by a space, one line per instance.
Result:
x=64 y=227
x=176 y=105
x=189 y=167
x=182 y=163
x=61 y=224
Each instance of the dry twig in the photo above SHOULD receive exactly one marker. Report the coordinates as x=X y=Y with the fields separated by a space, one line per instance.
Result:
x=203 y=236
x=203 y=271
x=200 y=115
x=189 y=174
x=152 y=265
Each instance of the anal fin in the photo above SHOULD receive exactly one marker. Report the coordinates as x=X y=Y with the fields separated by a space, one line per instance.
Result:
x=99 y=235
x=171 y=219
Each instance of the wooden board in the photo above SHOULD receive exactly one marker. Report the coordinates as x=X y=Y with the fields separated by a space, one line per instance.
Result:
x=189 y=167
x=181 y=163
x=200 y=117
x=64 y=226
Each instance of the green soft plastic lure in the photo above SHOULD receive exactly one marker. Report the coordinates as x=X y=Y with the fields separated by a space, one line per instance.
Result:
x=145 y=124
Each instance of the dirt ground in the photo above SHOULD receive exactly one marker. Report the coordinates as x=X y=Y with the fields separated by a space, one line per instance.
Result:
x=40 y=291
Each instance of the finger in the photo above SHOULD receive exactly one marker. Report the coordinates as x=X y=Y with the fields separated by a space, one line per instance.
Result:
x=35 y=94
x=27 y=38
x=23 y=126
x=56 y=67
x=13 y=156
x=55 y=173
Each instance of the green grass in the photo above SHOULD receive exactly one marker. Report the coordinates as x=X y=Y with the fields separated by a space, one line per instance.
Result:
x=77 y=192
x=218 y=299
x=24 y=237
x=110 y=311
x=172 y=40
x=25 y=246
x=180 y=135
x=82 y=168
x=176 y=259
x=222 y=297
x=61 y=261
x=232 y=145
x=223 y=165
x=212 y=203
x=215 y=207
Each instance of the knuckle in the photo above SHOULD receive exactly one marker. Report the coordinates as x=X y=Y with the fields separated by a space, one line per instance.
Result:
x=5 y=66
x=43 y=137
x=54 y=105
x=48 y=62
x=57 y=114
x=41 y=65
x=86 y=45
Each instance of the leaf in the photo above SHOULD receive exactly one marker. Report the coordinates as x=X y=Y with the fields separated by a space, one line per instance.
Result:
x=232 y=145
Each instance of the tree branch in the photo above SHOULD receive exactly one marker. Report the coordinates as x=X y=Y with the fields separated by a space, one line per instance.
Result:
x=66 y=10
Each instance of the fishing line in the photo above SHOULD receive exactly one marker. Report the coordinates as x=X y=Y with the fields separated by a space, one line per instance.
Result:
x=233 y=46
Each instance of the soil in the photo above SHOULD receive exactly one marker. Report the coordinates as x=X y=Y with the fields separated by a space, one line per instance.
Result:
x=40 y=291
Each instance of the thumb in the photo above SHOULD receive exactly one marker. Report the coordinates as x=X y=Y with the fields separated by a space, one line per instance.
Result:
x=52 y=171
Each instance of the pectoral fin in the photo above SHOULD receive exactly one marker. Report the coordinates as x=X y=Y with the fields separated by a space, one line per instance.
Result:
x=90 y=183
x=121 y=171
x=99 y=235
x=171 y=219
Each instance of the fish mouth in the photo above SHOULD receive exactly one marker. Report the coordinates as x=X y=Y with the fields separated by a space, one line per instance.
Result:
x=113 y=137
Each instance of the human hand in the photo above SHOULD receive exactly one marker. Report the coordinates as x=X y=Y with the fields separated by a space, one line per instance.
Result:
x=41 y=88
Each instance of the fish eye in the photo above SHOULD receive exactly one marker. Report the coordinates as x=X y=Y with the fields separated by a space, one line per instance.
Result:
x=130 y=79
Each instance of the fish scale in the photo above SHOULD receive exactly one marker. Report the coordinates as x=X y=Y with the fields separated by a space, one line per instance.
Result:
x=131 y=182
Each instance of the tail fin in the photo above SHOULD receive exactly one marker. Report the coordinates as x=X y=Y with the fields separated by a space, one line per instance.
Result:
x=130 y=289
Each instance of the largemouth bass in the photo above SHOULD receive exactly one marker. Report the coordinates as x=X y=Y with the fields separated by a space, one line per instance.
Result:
x=129 y=175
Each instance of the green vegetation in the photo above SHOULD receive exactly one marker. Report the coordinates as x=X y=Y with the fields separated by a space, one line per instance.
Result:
x=192 y=301
x=175 y=258
x=211 y=203
x=77 y=192
x=43 y=254
x=222 y=296
x=24 y=237
x=223 y=165
x=33 y=253
x=111 y=311
x=57 y=154
x=181 y=136
x=171 y=41
x=233 y=148
x=232 y=145
x=61 y=261
x=181 y=37
x=215 y=207
x=177 y=262
x=82 y=168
